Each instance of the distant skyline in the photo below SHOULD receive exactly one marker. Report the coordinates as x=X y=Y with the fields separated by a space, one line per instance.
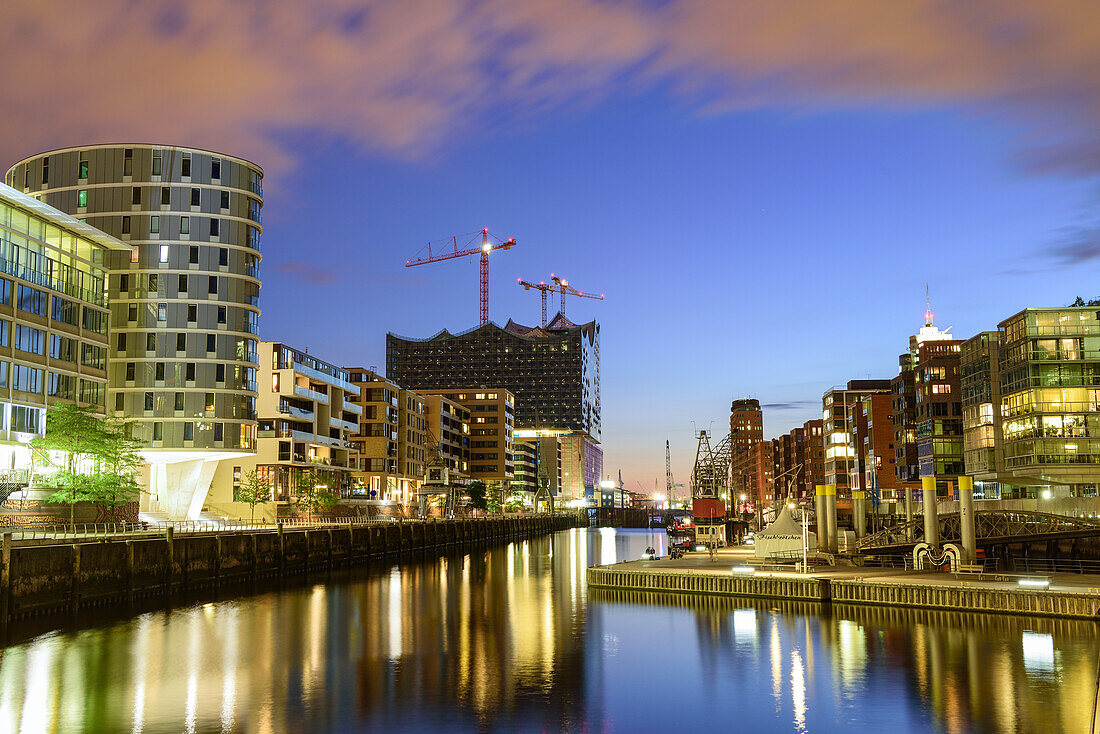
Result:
x=761 y=192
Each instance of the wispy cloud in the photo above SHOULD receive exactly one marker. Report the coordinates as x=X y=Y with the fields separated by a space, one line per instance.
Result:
x=404 y=75
x=793 y=405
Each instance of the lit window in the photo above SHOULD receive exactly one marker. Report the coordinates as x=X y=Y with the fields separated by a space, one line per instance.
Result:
x=154 y=226
x=82 y=197
x=163 y=252
x=185 y=225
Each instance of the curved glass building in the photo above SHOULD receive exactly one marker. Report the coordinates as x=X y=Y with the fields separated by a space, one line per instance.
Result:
x=184 y=299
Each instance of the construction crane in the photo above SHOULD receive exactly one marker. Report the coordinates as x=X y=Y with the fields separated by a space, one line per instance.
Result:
x=669 y=484
x=473 y=246
x=567 y=290
x=558 y=286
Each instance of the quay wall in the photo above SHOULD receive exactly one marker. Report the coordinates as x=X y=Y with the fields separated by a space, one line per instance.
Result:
x=1033 y=602
x=41 y=579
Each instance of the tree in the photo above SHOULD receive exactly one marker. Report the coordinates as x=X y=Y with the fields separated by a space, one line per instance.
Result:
x=254 y=489
x=313 y=494
x=93 y=458
x=476 y=490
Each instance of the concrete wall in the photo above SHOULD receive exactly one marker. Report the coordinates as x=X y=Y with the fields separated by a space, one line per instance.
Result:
x=48 y=578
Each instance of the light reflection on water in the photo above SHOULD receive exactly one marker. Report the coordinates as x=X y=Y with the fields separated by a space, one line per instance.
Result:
x=509 y=639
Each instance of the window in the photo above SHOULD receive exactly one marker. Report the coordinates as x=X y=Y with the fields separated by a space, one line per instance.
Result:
x=131 y=370
x=131 y=313
x=225 y=200
x=46 y=170
x=92 y=393
x=65 y=311
x=128 y=162
x=153 y=288
x=124 y=283
x=95 y=321
x=223 y=256
x=158 y=371
x=32 y=301
x=210 y=343
x=188 y=431
x=120 y=402
x=120 y=345
x=219 y=373
x=185 y=225
x=185 y=168
x=218 y=431
x=213 y=227
x=62 y=348
x=133 y=250
x=192 y=312
x=156 y=164
x=179 y=401
x=212 y=285
x=26 y=379
x=181 y=342
x=126 y=224
x=82 y=197
x=209 y=403
x=193 y=255
x=221 y=314
x=28 y=339
x=158 y=431
x=181 y=284
x=215 y=168
x=165 y=196
x=83 y=166
x=154 y=226
x=148 y=401
x=23 y=419
x=189 y=372
x=151 y=342
x=5 y=291
x=135 y=197
x=163 y=255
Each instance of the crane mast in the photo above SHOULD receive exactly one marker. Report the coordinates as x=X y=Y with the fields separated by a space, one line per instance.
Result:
x=479 y=243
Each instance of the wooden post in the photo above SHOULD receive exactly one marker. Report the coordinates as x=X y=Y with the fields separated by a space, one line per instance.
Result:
x=170 y=562
x=129 y=572
x=74 y=589
x=5 y=579
x=282 y=552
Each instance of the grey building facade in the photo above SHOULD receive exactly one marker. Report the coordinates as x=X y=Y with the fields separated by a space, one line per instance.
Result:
x=184 y=300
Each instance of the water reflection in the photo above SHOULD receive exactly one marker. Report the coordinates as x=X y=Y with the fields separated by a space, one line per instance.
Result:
x=509 y=639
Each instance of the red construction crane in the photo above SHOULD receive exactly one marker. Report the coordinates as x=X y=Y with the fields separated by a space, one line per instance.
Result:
x=558 y=286
x=487 y=244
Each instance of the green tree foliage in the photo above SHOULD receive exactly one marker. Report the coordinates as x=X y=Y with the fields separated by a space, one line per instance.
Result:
x=477 y=491
x=515 y=500
x=1082 y=302
x=254 y=489
x=313 y=494
x=93 y=458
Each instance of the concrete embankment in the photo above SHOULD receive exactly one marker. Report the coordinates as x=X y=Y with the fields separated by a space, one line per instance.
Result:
x=927 y=591
x=39 y=579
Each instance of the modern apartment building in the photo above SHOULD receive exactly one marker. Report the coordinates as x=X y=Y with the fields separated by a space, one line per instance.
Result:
x=983 y=426
x=1049 y=392
x=491 y=432
x=53 y=320
x=448 y=427
x=554 y=373
x=840 y=453
x=799 y=461
x=746 y=432
x=872 y=426
x=539 y=457
x=392 y=438
x=581 y=469
x=307 y=415
x=184 y=298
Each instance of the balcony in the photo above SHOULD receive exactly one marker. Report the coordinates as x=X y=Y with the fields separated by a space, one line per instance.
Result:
x=319 y=376
x=346 y=425
x=352 y=407
x=305 y=392
x=296 y=412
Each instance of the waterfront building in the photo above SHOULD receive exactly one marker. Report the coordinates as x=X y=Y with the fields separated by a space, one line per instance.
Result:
x=541 y=473
x=1049 y=385
x=581 y=467
x=810 y=453
x=872 y=433
x=184 y=299
x=983 y=426
x=799 y=461
x=492 y=422
x=391 y=439
x=54 y=321
x=746 y=432
x=307 y=416
x=448 y=428
x=763 y=489
x=554 y=373
x=840 y=451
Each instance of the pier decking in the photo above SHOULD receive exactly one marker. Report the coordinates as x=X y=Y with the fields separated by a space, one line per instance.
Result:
x=1069 y=595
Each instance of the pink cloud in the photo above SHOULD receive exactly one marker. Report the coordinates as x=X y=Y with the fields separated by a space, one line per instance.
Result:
x=405 y=76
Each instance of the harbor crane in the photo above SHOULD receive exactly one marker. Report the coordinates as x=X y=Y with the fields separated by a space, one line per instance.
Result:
x=560 y=286
x=449 y=249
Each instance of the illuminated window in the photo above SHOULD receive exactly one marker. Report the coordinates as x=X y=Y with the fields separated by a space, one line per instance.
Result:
x=185 y=225
x=82 y=197
x=163 y=252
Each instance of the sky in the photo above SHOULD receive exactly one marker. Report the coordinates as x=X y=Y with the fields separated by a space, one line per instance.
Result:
x=762 y=189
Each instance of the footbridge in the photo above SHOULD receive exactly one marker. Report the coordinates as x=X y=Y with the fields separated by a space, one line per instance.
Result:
x=992 y=527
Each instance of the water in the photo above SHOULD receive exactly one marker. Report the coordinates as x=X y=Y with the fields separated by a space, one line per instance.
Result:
x=509 y=639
